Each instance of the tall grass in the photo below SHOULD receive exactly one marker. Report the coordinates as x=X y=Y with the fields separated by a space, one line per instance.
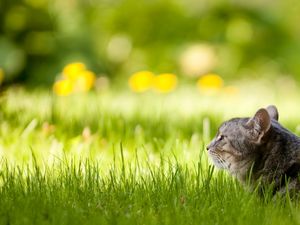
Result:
x=172 y=193
x=143 y=161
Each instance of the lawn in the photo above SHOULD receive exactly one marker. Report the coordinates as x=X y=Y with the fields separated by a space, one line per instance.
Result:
x=116 y=157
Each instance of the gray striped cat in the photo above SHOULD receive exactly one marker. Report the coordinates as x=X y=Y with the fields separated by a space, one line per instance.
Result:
x=260 y=145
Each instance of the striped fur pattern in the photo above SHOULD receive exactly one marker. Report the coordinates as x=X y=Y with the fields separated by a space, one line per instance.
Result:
x=261 y=145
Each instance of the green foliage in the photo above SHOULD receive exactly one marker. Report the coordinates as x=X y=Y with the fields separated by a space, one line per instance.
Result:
x=38 y=37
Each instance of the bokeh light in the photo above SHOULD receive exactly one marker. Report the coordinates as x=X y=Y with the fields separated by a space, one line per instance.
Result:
x=195 y=38
x=119 y=48
x=239 y=31
x=198 y=59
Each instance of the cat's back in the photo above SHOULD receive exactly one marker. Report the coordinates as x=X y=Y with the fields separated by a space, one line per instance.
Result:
x=284 y=142
x=284 y=136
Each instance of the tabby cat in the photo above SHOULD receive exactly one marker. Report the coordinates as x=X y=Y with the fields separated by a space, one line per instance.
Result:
x=259 y=146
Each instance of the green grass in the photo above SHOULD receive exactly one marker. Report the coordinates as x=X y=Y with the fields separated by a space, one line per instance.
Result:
x=143 y=162
x=80 y=194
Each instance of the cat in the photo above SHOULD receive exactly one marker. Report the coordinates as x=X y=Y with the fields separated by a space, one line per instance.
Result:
x=259 y=151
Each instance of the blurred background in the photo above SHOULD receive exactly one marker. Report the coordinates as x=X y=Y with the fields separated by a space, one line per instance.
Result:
x=237 y=39
x=81 y=76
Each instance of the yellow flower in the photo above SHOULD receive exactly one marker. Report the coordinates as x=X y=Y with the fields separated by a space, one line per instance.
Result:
x=165 y=82
x=210 y=83
x=75 y=79
x=84 y=81
x=72 y=70
x=231 y=90
x=1 y=75
x=63 y=87
x=141 y=81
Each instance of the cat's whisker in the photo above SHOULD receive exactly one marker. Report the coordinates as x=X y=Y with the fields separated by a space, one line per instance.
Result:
x=218 y=160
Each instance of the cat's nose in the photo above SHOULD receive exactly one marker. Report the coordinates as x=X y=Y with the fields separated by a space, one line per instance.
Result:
x=209 y=146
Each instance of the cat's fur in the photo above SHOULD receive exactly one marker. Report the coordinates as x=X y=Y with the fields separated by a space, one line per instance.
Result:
x=259 y=145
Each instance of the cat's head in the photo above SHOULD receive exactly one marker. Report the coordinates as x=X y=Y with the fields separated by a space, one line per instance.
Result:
x=237 y=140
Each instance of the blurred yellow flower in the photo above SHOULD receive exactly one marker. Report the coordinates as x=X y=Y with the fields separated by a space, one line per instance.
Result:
x=141 y=81
x=231 y=90
x=84 y=81
x=72 y=70
x=1 y=75
x=165 y=82
x=63 y=87
x=75 y=79
x=210 y=83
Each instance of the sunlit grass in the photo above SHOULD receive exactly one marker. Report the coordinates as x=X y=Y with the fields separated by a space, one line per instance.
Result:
x=169 y=193
x=150 y=120
x=118 y=157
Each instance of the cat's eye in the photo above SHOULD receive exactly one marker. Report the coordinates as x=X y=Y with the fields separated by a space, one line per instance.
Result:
x=220 y=137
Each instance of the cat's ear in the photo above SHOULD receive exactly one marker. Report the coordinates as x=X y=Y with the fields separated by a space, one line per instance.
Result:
x=259 y=124
x=273 y=112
